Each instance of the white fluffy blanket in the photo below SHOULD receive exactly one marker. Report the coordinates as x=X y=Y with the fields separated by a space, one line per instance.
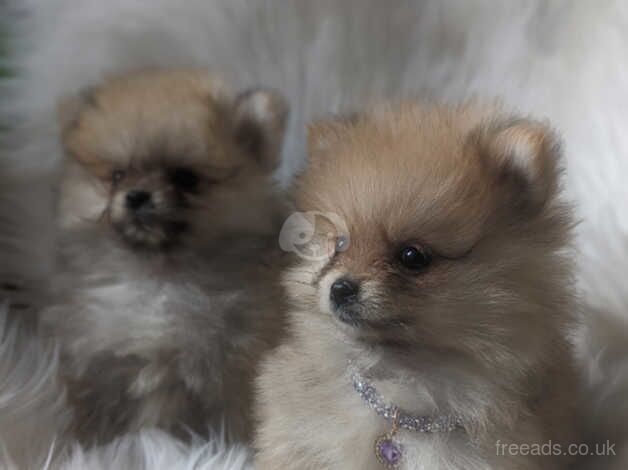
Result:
x=563 y=60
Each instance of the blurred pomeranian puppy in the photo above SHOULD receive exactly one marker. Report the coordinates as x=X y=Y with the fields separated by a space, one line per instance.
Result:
x=165 y=295
x=434 y=334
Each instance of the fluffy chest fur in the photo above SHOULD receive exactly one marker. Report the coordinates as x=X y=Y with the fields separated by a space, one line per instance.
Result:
x=312 y=417
x=161 y=340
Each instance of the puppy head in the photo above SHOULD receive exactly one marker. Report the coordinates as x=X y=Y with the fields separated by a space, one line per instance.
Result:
x=455 y=233
x=165 y=157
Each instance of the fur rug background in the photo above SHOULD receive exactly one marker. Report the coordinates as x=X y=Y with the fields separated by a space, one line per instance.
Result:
x=563 y=60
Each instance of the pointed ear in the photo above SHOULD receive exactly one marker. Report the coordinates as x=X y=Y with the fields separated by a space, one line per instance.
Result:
x=69 y=109
x=260 y=121
x=525 y=157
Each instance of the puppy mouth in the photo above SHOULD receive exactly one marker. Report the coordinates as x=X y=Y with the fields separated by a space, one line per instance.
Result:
x=349 y=315
x=151 y=231
x=369 y=325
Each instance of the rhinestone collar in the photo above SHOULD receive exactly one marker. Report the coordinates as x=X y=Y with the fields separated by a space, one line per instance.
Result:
x=427 y=424
x=388 y=450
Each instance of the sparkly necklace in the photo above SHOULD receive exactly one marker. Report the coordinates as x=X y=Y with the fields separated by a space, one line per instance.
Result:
x=388 y=450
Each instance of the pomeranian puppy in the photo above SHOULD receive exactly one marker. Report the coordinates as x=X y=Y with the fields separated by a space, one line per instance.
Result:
x=434 y=333
x=165 y=295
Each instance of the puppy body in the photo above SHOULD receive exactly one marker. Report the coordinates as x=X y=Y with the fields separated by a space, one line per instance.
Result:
x=165 y=295
x=477 y=331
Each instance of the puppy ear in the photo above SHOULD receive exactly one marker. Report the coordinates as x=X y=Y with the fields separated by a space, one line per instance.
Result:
x=525 y=156
x=69 y=109
x=260 y=121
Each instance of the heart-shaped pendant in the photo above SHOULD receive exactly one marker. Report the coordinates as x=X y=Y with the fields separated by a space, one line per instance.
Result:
x=388 y=451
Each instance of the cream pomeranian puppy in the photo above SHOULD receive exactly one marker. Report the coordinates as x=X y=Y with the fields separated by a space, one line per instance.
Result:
x=165 y=295
x=434 y=333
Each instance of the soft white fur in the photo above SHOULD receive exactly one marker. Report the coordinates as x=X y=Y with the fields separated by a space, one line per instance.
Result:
x=563 y=60
x=28 y=388
x=153 y=450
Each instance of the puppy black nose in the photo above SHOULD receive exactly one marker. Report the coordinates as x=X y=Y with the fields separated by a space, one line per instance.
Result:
x=137 y=199
x=343 y=292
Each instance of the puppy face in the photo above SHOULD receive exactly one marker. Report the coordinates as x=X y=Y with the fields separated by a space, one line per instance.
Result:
x=455 y=234
x=167 y=157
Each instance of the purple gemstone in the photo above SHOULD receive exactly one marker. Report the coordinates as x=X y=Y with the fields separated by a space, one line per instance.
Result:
x=389 y=451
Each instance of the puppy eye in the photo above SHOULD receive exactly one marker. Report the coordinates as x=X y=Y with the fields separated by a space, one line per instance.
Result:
x=184 y=178
x=116 y=176
x=414 y=259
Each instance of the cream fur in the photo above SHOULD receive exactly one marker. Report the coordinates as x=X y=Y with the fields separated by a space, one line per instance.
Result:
x=559 y=59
